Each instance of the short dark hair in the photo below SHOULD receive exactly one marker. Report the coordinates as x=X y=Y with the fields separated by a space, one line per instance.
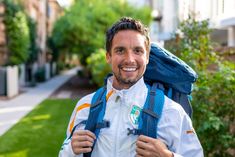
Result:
x=127 y=23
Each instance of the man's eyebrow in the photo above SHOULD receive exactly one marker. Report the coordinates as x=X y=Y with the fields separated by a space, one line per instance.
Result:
x=138 y=47
x=119 y=47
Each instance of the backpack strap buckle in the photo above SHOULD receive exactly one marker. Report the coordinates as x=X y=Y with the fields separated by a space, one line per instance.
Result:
x=103 y=124
x=151 y=113
x=133 y=131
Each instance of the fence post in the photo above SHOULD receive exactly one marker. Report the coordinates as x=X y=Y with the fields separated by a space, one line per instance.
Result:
x=12 y=81
x=2 y=81
x=53 y=68
x=34 y=70
x=22 y=75
x=47 y=71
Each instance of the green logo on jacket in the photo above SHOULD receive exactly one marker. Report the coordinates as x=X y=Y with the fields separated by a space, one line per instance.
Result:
x=134 y=114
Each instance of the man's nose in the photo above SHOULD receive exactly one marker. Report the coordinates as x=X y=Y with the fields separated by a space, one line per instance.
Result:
x=130 y=56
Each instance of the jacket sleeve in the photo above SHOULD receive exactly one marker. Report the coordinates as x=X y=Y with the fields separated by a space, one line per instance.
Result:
x=80 y=113
x=177 y=132
x=66 y=150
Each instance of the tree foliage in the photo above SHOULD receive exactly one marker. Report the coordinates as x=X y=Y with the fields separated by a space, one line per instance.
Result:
x=17 y=32
x=33 y=48
x=82 y=28
x=213 y=97
x=98 y=66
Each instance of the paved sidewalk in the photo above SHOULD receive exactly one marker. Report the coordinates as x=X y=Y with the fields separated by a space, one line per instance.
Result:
x=11 y=111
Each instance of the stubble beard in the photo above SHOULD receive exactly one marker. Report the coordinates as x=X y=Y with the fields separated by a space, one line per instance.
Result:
x=126 y=82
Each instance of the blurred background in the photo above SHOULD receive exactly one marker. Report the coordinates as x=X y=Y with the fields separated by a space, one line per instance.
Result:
x=52 y=53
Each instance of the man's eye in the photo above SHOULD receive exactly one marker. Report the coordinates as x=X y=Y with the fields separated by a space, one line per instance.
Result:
x=138 y=51
x=120 y=51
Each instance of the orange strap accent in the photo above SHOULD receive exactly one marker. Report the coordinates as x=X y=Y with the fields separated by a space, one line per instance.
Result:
x=85 y=106
x=109 y=94
x=190 y=131
x=78 y=109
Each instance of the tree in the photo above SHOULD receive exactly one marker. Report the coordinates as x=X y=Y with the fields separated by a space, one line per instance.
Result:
x=33 y=48
x=82 y=28
x=17 y=30
x=213 y=96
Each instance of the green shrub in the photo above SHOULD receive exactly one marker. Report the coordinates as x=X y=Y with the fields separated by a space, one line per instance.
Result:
x=33 y=48
x=40 y=74
x=98 y=66
x=60 y=66
x=17 y=32
x=214 y=107
x=214 y=97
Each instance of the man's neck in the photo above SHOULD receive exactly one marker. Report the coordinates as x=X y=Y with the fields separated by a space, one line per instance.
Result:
x=122 y=86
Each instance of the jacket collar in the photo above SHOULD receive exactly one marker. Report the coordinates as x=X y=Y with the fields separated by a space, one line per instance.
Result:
x=137 y=86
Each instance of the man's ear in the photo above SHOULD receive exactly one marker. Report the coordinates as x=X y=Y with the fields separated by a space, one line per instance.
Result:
x=108 y=57
x=147 y=57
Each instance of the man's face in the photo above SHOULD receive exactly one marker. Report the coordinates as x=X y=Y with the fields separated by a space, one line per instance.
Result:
x=128 y=58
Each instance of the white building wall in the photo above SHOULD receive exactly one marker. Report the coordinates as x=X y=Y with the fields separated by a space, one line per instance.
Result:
x=138 y=3
x=221 y=14
x=170 y=17
x=183 y=9
x=168 y=9
x=231 y=36
x=202 y=9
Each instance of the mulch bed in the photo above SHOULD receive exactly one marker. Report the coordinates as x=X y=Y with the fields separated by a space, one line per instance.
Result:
x=78 y=87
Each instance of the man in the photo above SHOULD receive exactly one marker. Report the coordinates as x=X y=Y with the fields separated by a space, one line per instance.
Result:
x=128 y=47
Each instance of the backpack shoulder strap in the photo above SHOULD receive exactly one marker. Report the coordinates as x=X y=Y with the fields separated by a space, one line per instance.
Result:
x=184 y=100
x=96 y=114
x=151 y=112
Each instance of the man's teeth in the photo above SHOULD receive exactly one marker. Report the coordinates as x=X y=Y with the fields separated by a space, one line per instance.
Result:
x=129 y=69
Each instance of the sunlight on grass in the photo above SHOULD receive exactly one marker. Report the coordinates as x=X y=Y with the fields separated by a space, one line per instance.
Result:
x=39 y=117
x=40 y=133
x=37 y=127
x=21 y=153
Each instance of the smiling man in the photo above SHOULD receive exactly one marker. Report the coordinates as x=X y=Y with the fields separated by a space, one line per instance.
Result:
x=128 y=58
x=128 y=47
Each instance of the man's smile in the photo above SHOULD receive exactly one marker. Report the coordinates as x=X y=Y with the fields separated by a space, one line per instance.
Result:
x=129 y=69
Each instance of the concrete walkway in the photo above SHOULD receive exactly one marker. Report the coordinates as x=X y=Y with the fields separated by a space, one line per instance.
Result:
x=11 y=111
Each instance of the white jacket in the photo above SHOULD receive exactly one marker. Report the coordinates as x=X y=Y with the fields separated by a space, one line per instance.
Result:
x=174 y=128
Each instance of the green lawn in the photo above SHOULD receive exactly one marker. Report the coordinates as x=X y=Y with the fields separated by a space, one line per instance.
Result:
x=40 y=133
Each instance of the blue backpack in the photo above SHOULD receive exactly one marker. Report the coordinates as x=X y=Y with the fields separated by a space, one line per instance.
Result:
x=165 y=75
